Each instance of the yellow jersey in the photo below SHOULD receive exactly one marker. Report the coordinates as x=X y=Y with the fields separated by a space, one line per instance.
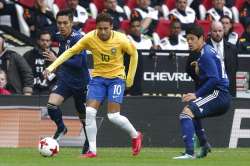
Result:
x=107 y=55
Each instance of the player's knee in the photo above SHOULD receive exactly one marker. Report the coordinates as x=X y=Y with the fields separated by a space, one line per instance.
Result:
x=113 y=116
x=188 y=112
x=184 y=116
x=90 y=115
x=53 y=111
x=51 y=107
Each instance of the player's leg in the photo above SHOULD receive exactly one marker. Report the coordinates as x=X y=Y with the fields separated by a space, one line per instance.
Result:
x=122 y=122
x=187 y=116
x=115 y=95
x=91 y=127
x=199 y=130
x=214 y=104
x=95 y=95
x=200 y=133
x=55 y=100
x=186 y=120
x=60 y=92
x=80 y=101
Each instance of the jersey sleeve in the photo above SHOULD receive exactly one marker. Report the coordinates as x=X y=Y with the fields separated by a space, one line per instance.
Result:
x=74 y=50
x=77 y=38
x=208 y=65
x=130 y=49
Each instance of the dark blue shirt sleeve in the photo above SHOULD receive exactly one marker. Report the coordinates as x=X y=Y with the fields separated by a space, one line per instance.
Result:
x=208 y=66
x=77 y=60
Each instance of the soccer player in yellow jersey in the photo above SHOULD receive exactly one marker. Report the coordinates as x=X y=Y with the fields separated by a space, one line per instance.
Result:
x=109 y=80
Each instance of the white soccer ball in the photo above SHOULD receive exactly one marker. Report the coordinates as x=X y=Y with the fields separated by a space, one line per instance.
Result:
x=48 y=147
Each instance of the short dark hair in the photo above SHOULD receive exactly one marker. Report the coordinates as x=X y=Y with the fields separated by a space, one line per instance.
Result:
x=66 y=12
x=134 y=20
x=226 y=16
x=43 y=33
x=135 y=15
x=174 y=22
x=196 y=30
x=104 y=17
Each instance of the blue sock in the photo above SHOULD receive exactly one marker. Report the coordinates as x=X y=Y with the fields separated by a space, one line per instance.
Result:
x=187 y=132
x=56 y=115
x=200 y=132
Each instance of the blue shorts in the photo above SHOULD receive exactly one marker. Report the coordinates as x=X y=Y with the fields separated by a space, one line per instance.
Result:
x=99 y=88
x=214 y=104
x=79 y=94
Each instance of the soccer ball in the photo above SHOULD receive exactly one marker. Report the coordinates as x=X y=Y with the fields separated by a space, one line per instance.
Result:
x=48 y=147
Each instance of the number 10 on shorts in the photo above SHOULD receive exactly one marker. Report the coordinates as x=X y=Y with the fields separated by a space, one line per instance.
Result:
x=117 y=89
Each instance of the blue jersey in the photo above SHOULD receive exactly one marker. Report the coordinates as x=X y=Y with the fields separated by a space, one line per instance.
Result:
x=74 y=72
x=212 y=75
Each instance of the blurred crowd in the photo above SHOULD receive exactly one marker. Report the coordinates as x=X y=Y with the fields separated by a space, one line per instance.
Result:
x=150 y=24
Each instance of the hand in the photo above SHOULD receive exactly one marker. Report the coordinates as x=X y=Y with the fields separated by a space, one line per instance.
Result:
x=1 y=5
x=188 y=97
x=32 y=28
x=196 y=67
x=50 y=56
x=27 y=94
x=46 y=73
x=129 y=83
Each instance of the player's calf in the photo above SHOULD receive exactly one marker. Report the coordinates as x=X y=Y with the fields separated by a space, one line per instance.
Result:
x=91 y=128
x=56 y=116
x=60 y=133
x=187 y=133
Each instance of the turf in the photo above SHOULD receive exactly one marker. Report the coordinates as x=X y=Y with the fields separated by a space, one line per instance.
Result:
x=122 y=157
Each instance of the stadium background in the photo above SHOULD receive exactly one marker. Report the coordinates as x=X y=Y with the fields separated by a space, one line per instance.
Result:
x=160 y=125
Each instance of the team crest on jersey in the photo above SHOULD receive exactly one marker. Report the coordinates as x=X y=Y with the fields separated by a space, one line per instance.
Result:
x=113 y=51
x=54 y=88
x=67 y=46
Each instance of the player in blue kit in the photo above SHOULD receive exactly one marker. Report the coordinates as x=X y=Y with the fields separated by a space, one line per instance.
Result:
x=72 y=76
x=211 y=98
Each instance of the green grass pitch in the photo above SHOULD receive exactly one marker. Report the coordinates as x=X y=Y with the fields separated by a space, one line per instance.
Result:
x=122 y=157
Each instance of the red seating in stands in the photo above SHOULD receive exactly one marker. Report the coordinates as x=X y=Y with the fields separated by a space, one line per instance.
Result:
x=205 y=24
x=170 y=4
x=28 y=3
x=124 y=25
x=208 y=4
x=238 y=28
x=239 y=4
x=61 y=4
x=99 y=4
x=131 y=4
x=162 y=28
x=89 y=25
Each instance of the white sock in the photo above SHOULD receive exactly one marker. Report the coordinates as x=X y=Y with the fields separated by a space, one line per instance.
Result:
x=91 y=129
x=123 y=123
